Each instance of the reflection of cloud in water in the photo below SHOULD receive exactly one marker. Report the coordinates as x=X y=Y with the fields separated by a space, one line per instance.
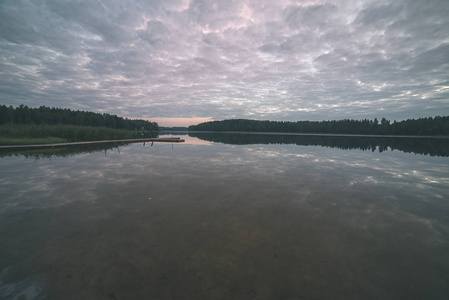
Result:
x=264 y=219
x=26 y=289
x=55 y=182
x=365 y=180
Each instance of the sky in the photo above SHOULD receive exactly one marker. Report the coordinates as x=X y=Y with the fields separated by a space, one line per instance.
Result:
x=183 y=62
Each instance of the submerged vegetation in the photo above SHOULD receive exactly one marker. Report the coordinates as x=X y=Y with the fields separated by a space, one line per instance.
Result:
x=422 y=126
x=23 y=126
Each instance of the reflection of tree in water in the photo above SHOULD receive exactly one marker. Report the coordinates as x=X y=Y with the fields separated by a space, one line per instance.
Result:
x=426 y=146
x=64 y=151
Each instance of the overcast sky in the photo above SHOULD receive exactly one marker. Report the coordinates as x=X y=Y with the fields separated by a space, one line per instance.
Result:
x=264 y=59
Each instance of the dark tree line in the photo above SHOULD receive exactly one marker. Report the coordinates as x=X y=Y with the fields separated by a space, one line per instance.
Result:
x=64 y=116
x=422 y=126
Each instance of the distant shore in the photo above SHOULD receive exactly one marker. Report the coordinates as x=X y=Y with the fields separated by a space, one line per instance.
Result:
x=324 y=134
x=431 y=126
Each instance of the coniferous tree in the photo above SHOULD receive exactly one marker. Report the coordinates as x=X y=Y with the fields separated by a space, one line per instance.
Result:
x=422 y=126
x=54 y=116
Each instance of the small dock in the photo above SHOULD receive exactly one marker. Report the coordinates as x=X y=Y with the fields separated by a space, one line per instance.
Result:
x=59 y=145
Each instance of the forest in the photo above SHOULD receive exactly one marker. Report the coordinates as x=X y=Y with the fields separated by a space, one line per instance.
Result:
x=432 y=126
x=62 y=116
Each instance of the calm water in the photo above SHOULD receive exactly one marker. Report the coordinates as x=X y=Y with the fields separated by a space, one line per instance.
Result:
x=228 y=217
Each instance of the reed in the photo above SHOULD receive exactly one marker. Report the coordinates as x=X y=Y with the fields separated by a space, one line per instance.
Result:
x=12 y=134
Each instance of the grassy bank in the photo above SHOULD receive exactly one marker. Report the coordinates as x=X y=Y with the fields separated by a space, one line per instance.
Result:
x=47 y=134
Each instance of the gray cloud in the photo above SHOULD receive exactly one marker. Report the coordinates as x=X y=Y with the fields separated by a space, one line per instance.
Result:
x=281 y=60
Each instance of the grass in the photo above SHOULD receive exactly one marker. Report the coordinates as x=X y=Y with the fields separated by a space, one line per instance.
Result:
x=31 y=141
x=48 y=134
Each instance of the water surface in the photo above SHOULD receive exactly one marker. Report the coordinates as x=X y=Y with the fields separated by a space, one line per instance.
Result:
x=216 y=219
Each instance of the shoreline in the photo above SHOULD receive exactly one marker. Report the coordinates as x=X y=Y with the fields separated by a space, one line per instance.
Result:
x=55 y=145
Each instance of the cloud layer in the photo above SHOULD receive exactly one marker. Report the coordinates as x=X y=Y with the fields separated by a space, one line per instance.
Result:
x=279 y=60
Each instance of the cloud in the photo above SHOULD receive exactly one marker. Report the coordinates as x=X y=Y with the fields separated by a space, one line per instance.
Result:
x=281 y=60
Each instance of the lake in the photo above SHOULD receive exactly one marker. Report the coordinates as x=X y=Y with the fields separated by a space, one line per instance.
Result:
x=228 y=216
